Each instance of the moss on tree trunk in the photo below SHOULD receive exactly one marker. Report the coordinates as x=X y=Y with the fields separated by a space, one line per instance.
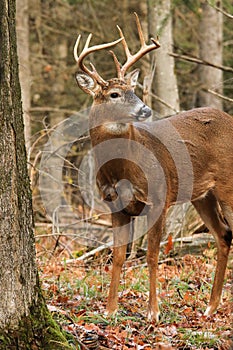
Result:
x=36 y=331
x=25 y=322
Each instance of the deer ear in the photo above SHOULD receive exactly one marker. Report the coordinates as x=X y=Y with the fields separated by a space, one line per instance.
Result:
x=86 y=83
x=132 y=78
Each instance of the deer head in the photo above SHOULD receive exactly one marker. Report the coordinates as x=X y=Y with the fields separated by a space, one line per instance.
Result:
x=118 y=91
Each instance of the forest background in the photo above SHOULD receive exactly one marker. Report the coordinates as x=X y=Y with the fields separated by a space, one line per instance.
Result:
x=194 y=69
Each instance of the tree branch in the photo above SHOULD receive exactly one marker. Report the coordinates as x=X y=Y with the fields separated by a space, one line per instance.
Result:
x=52 y=109
x=219 y=95
x=200 y=61
x=220 y=10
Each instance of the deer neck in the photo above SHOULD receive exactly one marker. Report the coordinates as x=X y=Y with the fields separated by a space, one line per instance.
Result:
x=112 y=130
x=105 y=120
x=116 y=128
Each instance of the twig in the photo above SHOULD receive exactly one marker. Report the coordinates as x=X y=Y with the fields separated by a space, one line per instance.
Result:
x=109 y=244
x=92 y=252
x=34 y=170
x=220 y=10
x=52 y=109
x=55 y=234
x=130 y=268
x=164 y=103
x=160 y=100
x=200 y=61
x=219 y=95
x=188 y=239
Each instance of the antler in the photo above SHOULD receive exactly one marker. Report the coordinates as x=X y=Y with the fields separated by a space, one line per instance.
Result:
x=86 y=51
x=131 y=59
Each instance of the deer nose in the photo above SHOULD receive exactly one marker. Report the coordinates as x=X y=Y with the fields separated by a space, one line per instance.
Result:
x=143 y=113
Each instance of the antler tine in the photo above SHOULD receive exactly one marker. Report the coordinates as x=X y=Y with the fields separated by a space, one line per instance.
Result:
x=140 y=33
x=131 y=59
x=75 y=51
x=86 y=46
x=117 y=63
x=124 y=43
x=86 y=51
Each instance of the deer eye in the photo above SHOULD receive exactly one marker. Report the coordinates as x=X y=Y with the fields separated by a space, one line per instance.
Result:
x=114 y=95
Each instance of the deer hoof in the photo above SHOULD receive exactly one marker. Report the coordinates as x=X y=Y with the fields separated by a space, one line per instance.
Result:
x=153 y=316
x=209 y=311
x=110 y=313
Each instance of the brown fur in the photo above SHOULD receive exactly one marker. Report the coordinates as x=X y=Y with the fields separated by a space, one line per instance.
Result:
x=188 y=156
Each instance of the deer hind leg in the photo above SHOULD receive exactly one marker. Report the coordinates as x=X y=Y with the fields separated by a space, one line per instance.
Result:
x=154 y=237
x=209 y=210
x=121 y=232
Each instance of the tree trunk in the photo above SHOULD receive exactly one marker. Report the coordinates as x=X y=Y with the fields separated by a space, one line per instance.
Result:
x=58 y=86
x=22 y=28
x=210 y=47
x=25 y=322
x=165 y=84
x=165 y=87
x=139 y=227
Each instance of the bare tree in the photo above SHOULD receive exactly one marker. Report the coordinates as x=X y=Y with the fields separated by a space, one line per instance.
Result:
x=165 y=84
x=210 y=47
x=167 y=98
x=24 y=319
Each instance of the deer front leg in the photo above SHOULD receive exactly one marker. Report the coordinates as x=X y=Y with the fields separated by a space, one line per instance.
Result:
x=154 y=237
x=121 y=231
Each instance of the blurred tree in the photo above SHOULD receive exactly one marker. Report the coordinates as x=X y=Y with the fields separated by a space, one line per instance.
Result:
x=55 y=94
x=180 y=217
x=187 y=21
x=25 y=322
x=210 y=48
x=165 y=83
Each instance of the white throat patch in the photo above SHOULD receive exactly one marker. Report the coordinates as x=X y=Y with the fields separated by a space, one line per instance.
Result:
x=116 y=128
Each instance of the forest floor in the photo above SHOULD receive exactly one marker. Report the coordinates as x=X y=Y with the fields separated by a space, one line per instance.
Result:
x=76 y=293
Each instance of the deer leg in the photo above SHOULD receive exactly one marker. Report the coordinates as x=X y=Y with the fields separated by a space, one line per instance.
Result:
x=154 y=237
x=121 y=232
x=209 y=210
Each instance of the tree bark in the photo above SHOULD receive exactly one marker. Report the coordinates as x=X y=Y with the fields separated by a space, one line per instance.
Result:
x=25 y=322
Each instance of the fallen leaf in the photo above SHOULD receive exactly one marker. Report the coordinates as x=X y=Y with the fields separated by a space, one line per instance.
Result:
x=169 y=245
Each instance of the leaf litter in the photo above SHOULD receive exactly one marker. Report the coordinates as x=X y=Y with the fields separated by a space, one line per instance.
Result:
x=76 y=295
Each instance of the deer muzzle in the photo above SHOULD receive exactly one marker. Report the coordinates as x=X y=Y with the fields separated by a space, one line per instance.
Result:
x=143 y=113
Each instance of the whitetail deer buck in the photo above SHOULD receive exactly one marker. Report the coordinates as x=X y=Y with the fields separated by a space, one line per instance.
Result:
x=144 y=168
